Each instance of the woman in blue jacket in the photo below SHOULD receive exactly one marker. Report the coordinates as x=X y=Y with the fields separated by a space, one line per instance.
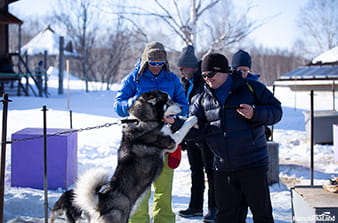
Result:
x=232 y=113
x=150 y=76
x=152 y=73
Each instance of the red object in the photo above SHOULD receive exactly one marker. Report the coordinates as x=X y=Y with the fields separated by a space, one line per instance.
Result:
x=174 y=158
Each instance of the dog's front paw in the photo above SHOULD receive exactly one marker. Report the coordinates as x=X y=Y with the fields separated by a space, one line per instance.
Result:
x=192 y=120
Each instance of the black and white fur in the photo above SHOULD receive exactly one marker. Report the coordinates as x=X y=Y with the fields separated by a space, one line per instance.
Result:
x=64 y=206
x=145 y=140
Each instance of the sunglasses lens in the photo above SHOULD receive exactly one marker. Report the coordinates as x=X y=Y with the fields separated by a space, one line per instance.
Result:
x=155 y=63
x=209 y=74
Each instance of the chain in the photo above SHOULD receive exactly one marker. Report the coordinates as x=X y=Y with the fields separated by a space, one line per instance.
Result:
x=106 y=125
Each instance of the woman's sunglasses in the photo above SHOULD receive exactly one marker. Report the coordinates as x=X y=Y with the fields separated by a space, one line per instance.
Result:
x=155 y=63
x=209 y=74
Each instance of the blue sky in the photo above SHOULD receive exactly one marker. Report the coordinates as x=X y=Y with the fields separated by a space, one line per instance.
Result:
x=279 y=17
x=280 y=28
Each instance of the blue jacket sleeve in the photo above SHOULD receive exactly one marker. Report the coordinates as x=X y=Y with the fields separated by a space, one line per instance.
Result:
x=125 y=96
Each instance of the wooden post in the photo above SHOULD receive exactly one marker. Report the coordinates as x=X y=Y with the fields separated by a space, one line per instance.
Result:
x=273 y=168
x=45 y=87
x=61 y=65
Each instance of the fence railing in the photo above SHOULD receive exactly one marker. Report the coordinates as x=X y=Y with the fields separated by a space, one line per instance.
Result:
x=45 y=136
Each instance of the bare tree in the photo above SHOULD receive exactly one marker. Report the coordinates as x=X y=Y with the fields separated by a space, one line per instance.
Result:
x=319 y=22
x=79 y=19
x=272 y=63
x=187 y=18
x=229 y=28
x=112 y=54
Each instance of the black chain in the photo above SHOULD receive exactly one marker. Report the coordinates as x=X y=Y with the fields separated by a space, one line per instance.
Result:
x=106 y=125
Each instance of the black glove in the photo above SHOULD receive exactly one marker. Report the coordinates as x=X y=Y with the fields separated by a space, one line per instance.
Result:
x=236 y=74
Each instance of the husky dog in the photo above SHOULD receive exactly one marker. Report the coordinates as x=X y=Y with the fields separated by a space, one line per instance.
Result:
x=145 y=140
x=65 y=206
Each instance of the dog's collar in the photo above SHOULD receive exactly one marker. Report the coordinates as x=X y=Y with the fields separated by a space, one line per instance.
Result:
x=129 y=120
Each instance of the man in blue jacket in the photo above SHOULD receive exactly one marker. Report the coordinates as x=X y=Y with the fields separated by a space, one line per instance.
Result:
x=152 y=73
x=231 y=117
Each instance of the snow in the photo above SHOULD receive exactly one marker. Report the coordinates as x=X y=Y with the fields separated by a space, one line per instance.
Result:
x=98 y=147
x=329 y=56
x=46 y=40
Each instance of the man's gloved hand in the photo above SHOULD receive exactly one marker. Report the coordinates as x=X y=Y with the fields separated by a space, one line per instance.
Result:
x=235 y=74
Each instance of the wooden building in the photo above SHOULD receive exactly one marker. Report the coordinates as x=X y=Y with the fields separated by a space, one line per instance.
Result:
x=320 y=75
x=6 y=18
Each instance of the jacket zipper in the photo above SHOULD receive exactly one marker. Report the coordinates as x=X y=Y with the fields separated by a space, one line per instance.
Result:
x=224 y=131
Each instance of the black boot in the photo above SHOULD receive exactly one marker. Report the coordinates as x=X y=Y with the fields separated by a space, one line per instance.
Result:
x=190 y=212
x=211 y=215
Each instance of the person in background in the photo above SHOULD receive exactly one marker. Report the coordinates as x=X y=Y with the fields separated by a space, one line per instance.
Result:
x=40 y=72
x=152 y=73
x=232 y=120
x=241 y=61
x=199 y=155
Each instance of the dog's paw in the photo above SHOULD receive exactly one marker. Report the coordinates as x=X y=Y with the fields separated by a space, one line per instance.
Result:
x=192 y=121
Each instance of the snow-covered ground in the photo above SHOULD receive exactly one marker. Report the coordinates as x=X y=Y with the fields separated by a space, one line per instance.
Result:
x=98 y=147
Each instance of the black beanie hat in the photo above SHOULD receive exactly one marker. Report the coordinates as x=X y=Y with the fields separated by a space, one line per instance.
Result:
x=187 y=58
x=215 y=62
x=241 y=58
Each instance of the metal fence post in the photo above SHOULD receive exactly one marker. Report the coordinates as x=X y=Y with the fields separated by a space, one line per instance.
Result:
x=71 y=118
x=45 y=175
x=3 y=153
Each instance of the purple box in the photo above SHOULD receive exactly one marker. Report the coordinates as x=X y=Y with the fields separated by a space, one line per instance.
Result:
x=27 y=159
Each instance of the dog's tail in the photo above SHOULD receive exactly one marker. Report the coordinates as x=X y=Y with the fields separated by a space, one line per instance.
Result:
x=87 y=187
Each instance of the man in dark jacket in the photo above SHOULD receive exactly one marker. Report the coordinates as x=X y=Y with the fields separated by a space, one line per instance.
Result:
x=241 y=61
x=232 y=113
x=199 y=155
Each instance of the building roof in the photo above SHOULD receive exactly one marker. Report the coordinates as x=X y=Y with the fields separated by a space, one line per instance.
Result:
x=48 y=40
x=330 y=56
x=8 y=18
x=320 y=75
x=325 y=72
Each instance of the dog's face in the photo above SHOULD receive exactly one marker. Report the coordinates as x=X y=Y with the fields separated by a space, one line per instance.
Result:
x=154 y=105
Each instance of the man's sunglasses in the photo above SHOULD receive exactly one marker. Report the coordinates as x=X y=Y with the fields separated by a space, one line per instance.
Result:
x=209 y=74
x=155 y=63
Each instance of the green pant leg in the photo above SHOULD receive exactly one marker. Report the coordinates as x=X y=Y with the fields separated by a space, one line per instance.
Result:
x=162 y=209
x=141 y=213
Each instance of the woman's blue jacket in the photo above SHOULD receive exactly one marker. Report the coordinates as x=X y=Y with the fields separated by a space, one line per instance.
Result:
x=133 y=85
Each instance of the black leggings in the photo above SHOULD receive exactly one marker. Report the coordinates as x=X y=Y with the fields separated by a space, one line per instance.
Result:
x=230 y=187
x=201 y=161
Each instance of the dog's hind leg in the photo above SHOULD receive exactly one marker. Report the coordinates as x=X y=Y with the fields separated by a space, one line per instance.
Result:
x=86 y=215
x=179 y=135
x=53 y=217
x=70 y=217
